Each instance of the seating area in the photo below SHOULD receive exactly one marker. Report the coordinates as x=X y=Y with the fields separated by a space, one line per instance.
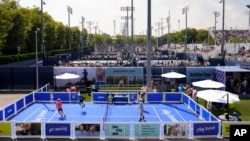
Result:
x=118 y=98
x=116 y=88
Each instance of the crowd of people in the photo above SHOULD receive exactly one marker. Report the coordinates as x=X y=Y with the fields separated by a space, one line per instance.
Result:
x=237 y=85
x=229 y=34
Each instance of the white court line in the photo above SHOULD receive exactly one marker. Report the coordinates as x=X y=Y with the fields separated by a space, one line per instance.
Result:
x=53 y=115
x=178 y=113
x=157 y=113
x=33 y=113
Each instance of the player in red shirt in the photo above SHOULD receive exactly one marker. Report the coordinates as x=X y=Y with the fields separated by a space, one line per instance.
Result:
x=59 y=107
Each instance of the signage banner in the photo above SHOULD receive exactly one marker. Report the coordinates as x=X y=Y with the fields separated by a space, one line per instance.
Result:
x=147 y=130
x=176 y=129
x=5 y=129
x=226 y=126
x=203 y=129
x=87 y=129
x=199 y=73
x=119 y=130
x=57 y=129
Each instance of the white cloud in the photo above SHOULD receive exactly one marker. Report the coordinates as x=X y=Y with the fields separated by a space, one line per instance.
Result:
x=200 y=14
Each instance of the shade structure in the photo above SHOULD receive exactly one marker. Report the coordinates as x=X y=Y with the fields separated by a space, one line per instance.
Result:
x=208 y=84
x=219 y=96
x=66 y=76
x=173 y=75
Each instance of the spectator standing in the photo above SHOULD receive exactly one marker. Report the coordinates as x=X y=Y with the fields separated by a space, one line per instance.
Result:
x=244 y=86
x=180 y=88
x=194 y=93
x=154 y=89
x=235 y=117
x=121 y=83
x=73 y=88
x=85 y=75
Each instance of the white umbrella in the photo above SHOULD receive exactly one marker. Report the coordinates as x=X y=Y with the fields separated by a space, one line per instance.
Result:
x=208 y=84
x=173 y=75
x=67 y=76
x=219 y=96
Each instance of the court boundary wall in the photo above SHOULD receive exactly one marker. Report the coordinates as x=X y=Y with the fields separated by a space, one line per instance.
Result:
x=208 y=127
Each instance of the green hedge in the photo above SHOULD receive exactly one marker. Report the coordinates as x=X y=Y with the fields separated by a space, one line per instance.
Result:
x=28 y=56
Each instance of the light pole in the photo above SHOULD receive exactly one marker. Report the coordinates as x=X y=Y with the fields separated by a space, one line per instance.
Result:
x=82 y=22
x=127 y=8
x=149 y=44
x=70 y=11
x=114 y=27
x=132 y=27
x=222 y=40
x=248 y=6
x=96 y=27
x=184 y=11
x=89 y=23
x=178 y=24
x=216 y=14
x=158 y=24
x=42 y=30
x=37 y=82
x=168 y=25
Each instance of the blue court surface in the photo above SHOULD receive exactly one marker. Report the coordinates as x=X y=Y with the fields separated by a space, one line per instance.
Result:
x=167 y=115
x=154 y=112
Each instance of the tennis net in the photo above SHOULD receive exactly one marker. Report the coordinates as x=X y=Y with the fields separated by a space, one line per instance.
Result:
x=104 y=119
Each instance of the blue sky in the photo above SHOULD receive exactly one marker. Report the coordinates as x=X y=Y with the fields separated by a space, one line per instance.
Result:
x=104 y=12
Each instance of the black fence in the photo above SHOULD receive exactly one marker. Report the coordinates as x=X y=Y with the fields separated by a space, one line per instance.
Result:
x=24 y=78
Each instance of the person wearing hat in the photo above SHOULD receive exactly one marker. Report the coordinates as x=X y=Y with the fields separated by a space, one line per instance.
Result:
x=141 y=107
x=235 y=117
x=59 y=108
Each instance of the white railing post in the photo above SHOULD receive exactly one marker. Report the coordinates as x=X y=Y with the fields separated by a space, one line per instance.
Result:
x=132 y=131
x=190 y=129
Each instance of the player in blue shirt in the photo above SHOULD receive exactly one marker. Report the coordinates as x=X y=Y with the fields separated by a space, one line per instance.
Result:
x=81 y=101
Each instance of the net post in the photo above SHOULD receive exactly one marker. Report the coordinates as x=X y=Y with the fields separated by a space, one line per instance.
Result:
x=161 y=130
x=102 y=130
x=132 y=130
x=190 y=129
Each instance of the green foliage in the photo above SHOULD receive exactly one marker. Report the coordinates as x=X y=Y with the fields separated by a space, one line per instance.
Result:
x=239 y=107
x=18 y=26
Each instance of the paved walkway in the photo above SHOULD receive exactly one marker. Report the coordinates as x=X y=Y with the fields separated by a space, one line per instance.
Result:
x=8 y=98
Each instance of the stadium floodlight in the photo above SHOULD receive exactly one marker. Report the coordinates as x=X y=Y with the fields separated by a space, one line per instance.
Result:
x=42 y=30
x=222 y=37
x=184 y=11
x=248 y=6
x=37 y=82
x=216 y=14
x=70 y=11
